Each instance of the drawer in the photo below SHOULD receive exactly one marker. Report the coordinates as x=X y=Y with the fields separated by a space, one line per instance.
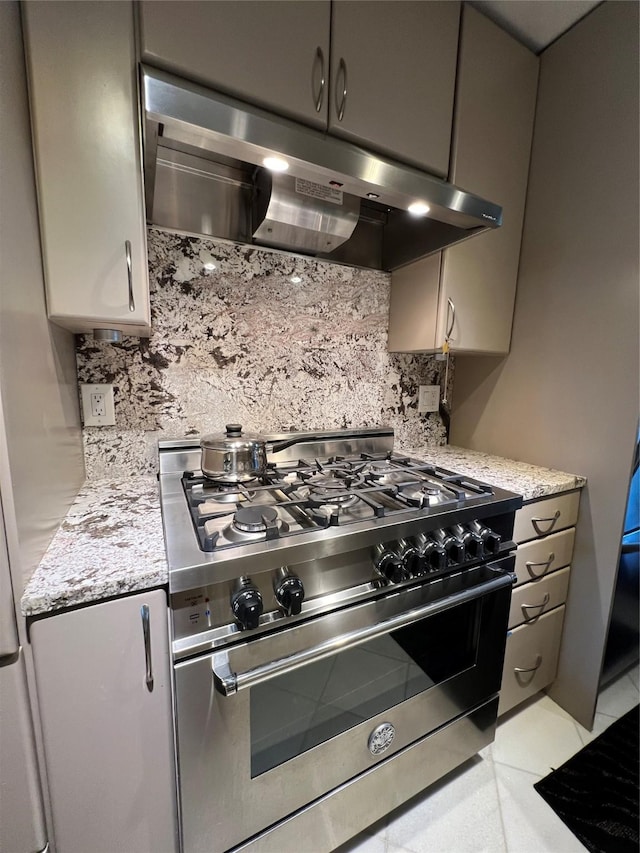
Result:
x=533 y=648
x=530 y=601
x=546 y=516
x=537 y=558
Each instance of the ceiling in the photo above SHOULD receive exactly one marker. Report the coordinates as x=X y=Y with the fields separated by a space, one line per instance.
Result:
x=535 y=23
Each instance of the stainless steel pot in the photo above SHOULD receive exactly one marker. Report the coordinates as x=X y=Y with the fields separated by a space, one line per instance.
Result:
x=234 y=456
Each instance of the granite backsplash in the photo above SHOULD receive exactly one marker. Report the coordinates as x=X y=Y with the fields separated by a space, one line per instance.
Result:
x=258 y=337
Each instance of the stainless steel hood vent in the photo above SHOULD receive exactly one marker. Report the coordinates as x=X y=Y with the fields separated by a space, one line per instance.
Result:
x=203 y=174
x=292 y=213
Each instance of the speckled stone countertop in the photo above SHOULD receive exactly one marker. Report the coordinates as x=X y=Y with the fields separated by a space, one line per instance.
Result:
x=111 y=542
x=530 y=481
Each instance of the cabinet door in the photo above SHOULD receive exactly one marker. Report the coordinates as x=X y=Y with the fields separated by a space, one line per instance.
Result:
x=108 y=738
x=83 y=97
x=21 y=813
x=273 y=54
x=493 y=127
x=413 y=306
x=393 y=69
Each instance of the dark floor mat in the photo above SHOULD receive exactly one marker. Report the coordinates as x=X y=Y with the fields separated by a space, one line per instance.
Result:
x=596 y=792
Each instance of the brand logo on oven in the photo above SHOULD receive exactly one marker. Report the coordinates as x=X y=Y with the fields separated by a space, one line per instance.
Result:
x=380 y=738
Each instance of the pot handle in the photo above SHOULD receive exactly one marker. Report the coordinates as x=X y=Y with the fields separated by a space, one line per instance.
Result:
x=275 y=446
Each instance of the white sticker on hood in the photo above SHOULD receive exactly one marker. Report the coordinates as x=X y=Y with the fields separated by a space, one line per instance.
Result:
x=318 y=191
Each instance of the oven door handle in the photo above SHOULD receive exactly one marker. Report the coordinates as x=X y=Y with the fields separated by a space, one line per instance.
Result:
x=229 y=682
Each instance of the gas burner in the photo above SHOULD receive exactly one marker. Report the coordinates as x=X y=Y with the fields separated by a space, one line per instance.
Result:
x=427 y=494
x=381 y=468
x=337 y=481
x=248 y=524
x=333 y=492
x=217 y=493
x=255 y=519
x=341 y=513
x=220 y=503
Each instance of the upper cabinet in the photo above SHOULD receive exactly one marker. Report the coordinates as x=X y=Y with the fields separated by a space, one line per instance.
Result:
x=393 y=73
x=81 y=62
x=267 y=52
x=469 y=296
x=377 y=73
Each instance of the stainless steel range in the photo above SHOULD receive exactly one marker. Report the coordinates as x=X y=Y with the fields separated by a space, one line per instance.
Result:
x=339 y=625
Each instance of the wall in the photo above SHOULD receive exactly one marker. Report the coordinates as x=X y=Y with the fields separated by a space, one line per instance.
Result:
x=41 y=429
x=242 y=343
x=567 y=395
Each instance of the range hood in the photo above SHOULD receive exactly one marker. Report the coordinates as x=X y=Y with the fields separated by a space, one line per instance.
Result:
x=204 y=174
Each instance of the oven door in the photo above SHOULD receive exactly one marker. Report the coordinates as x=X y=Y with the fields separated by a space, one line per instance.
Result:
x=268 y=726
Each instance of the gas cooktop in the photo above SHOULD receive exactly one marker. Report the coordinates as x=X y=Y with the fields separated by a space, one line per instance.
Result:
x=324 y=496
x=310 y=495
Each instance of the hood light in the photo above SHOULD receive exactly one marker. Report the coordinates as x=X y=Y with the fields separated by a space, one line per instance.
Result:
x=209 y=267
x=275 y=164
x=418 y=208
x=295 y=279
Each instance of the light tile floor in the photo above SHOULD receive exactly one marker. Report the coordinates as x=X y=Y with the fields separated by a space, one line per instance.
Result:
x=489 y=805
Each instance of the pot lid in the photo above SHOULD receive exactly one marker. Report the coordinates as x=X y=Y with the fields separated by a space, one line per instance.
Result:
x=233 y=437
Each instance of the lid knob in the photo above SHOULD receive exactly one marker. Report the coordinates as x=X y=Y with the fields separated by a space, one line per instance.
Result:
x=233 y=430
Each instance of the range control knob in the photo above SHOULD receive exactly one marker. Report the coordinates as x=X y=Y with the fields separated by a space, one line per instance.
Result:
x=434 y=555
x=491 y=540
x=412 y=559
x=246 y=605
x=390 y=567
x=472 y=541
x=453 y=547
x=290 y=595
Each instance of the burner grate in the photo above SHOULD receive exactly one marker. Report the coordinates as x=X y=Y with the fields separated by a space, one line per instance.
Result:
x=315 y=494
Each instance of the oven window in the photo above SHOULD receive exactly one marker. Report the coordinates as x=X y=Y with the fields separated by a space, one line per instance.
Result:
x=301 y=709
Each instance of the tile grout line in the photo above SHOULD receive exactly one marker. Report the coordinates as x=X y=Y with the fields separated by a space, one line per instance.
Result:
x=502 y=823
x=521 y=769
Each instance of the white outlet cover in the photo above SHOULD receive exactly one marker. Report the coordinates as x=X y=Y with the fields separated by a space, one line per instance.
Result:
x=109 y=417
x=429 y=398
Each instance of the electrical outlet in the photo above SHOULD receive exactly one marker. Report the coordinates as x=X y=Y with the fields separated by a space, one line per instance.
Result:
x=428 y=398
x=97 y=405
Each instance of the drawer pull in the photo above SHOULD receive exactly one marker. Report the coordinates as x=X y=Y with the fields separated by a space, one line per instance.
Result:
x=545 y=563
x=451 y=311
x=551 y=520
x=146 y=633
x=319 y=99
x=534 y=668
x=127 y=252
x=539 y=607
x=341 y=101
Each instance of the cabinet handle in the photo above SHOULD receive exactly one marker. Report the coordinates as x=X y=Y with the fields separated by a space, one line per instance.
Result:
x=342 y=69
x=451 y=310
x=320 y=98
x=127 y=249
x=551 y=520
x=146 y=633
x=533 y=668
x=539 y=607
x=546 y=564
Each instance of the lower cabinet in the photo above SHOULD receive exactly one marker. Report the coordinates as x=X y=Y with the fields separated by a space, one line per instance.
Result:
x=104 y=689
x=537 y=603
